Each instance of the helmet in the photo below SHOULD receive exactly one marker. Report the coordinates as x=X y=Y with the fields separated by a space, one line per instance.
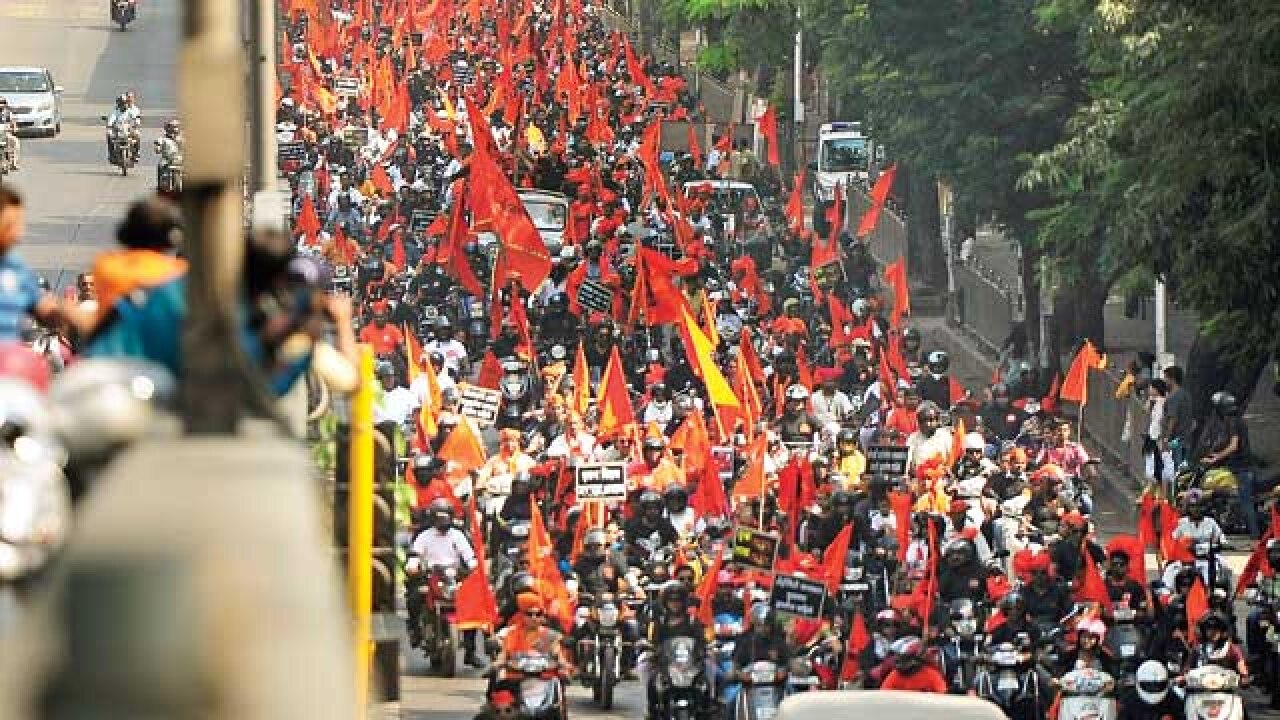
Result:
x=1152 y=680
x=908 y=654
x=888 y=615
x=960 y=552
x=975 y=441
x=911 y=336
x=1013 y=604
x=846 y=436
x=19 y=362
x=523 y=582
x=1092 y=626
x=649 y=500
x=938 y=362
x=797 y=392
x=1225 y=403
x=104 y=404
x=594 y=539
x=928 y=409
x=440 y=506
x=1211 y=621
x=677 y=592
x=122 y=102
x=676 y=492
x=173 y=128
x=1273 y=552
x=654 y=443
x=426 y=467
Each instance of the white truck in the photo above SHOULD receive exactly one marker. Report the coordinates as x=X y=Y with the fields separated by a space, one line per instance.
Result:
x=843 y=158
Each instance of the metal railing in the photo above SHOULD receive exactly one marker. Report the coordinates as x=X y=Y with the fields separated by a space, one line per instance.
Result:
x=984 y=307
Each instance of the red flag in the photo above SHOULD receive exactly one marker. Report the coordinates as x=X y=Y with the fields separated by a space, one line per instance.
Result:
x=900 y=502
x=707 y=592
x=833 y=559
x=1075 y=388
x=859 y=639
x=795 y=204
x=694 y=150
x=1197 y=607
x=308 y=223
x=1146 y=525
x=490 y=372
x=496 y=206
x=835 y=214
x=1050 y=400
x=879 y=193
x=747 y=355
x=768 y=124
x=1092 y=587
x=451 y=254
x=895 y=274
x=614 y=399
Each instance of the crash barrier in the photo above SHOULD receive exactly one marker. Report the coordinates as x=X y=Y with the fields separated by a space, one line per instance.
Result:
x=675 y=135
x=1104 y=423
x=888 y=241
x=983 y=307
x=717 y=98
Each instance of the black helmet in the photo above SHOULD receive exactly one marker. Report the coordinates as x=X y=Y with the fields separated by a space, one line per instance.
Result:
x=676 y=492
x=911 y=336
x=1225 y=403
x=650 y=500
x=654 y=443
x=426 y=467
x=442 y=324
x=440 y=505
x=1013 y=603
x=523 y=582
x=676 y=592
x=938 y=362
x=960 y=552
x=173 y=128
x=1211 y=621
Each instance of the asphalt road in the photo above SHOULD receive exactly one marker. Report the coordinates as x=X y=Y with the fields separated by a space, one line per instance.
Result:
x=74 y=198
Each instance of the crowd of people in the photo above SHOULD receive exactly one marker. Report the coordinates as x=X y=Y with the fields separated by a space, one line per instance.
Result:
x=660 y=328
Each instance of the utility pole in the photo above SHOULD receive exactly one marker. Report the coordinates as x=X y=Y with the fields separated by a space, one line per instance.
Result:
x=269 y=204
x=798 y=75
x=212 y=106
x=1163 y=357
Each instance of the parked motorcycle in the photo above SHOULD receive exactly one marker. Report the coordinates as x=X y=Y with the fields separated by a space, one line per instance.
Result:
x=124 y=12
x=1087 y=694
x=1213 y=693
x=600 y=652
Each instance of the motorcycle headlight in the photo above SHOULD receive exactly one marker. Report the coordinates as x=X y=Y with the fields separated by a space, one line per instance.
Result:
x=609 y=615
x=968 y=626
x=762 y=676
x=682 y=675
x=853 y=573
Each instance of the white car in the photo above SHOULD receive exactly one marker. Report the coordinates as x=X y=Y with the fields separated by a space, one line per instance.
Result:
x=34 y=98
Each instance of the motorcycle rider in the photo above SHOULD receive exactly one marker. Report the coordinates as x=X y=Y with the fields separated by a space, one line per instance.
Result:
x=654 y=470
x=930 y=439
x=1003 y=420
x=1195 y=525
x=1226 y=444
x=169 y=147
x=1123 y=589
x=1013 y=606
x=911 y=671
x=683 y=517
x=962 y=575
x=1088 y=651
x=603 y=570
x=830 y=406
x=674 y=621
x=529 y=634
x=647 y=523
x=9 y=126
x=935 y=385
x=1047 y=598
x=1267 y=584
x=1216 y=647
x=442 y=544
x=764 y=641
x=796 y=424
x=126 y=114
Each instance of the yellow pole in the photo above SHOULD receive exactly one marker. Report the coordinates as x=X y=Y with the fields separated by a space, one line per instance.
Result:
x=360 y=527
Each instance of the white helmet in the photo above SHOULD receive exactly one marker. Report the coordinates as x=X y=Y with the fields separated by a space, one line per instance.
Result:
x=1152 y=680
x=974 y=441
x=797 y=392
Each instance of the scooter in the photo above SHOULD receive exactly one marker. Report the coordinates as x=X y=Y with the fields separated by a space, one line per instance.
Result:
x=1213 y=693
x=541 y=691
x=1087 y=695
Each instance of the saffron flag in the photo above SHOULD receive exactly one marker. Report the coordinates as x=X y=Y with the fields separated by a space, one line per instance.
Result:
x=581 y=381
x=879 y=194
x=1075 y=388
x=768 y=125
x=895 y=273
x=614 y=399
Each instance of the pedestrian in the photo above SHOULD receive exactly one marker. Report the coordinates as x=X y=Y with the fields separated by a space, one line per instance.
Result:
x=1179 y=416
x=1158 y=466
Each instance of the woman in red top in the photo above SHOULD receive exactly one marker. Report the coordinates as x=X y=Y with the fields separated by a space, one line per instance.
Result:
x=911 y=672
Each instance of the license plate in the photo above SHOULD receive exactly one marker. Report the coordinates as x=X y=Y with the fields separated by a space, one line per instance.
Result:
x=1007 y=683
x=1128 y=650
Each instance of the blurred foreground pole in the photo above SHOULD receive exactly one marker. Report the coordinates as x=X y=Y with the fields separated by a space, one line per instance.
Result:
x=211 y=72
x=360 y=528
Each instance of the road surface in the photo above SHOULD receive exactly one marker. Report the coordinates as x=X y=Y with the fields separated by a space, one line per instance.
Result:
x=74 y=198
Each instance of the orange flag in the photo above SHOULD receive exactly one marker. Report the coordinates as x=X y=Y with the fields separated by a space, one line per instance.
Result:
x=879 y=194
x=752 y=484
x=747 y=356
x=490 y=371
x=957 y=443
x=768 y=125
x=1197 y=607
x=900 y=502
x=895 y=273
x=795 y=204
x=1092 y=587
x=308 y=223
x=709 y=321
x=833 y=559
x=476 y=605
x=1075 y=388
x=581 y=380
x=707 y=592
x=614 y=399
x=542 y=565
x=859 y=639
x=463 y=447
x=694 y=150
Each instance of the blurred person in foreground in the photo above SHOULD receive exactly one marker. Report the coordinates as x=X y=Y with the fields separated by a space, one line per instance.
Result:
x=20 y=293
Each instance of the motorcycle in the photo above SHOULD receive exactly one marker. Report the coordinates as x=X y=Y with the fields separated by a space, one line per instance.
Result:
x=1087 y=695
x=761 y=692
x=728 y=627
x=961 y=646
x=517 y=393
x=1213 y=694
x=541 y=692
x=169 y=171
x=441 y=638
x=1005 y=680
x=1268 y=610
x=681 y=682
x=1127 y=644
x=599 y=654
x=120 y=150
x=124 y=12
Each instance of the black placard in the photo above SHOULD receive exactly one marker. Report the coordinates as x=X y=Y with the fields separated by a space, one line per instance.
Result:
x=595 y=295
x=887 y=460
x=798 y=596
x=600 y=481
x=754 y=548
x=295 y=150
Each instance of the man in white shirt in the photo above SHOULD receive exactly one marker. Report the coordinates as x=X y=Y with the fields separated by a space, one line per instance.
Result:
x=441 y=545
x=830 y=405
x=396 y=401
